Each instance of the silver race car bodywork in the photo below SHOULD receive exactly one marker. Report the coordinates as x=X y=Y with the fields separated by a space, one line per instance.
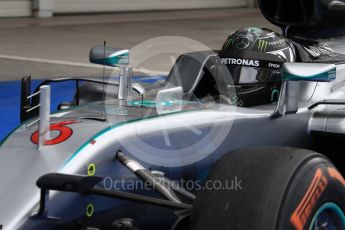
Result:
x=179 y=141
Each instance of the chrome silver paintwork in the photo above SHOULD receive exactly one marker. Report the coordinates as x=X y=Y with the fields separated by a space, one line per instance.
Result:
x=129 y=130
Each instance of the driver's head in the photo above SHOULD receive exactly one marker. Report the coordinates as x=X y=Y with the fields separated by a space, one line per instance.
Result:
x=254 y=57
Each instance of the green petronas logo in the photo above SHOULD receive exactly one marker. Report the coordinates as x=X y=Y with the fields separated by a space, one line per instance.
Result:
x=262 y=45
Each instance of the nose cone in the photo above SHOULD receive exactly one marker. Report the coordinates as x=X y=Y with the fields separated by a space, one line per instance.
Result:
x=21 y=164
x=18 y=192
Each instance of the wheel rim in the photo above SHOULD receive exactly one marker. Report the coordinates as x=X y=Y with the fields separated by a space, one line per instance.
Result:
x=328 y=217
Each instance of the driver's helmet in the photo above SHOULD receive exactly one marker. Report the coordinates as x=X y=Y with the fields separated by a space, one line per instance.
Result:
x=254 y=57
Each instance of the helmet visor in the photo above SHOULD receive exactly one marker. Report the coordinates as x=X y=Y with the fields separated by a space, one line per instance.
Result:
x=253 y=75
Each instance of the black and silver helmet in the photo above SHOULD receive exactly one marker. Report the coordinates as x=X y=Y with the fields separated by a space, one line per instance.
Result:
x=254 y=57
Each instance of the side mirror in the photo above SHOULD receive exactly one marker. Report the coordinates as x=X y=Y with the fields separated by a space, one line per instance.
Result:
x=104 y=55
x=294 y=72
x=308 y=72
x=109 y=56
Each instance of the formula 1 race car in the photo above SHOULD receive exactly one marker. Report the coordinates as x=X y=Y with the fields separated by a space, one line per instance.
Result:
x=246 y=137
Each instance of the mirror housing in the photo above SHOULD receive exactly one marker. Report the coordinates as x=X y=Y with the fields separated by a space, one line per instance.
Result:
x=308 y=72
x=109 y=56
x=104 y=55
x=292 y=73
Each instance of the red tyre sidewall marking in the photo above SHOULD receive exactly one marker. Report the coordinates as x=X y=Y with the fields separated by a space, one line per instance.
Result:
x=302 y=213
x=336 y=175
x=64 y=133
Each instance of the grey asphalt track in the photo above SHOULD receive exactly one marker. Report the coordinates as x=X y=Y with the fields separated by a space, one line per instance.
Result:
x=59 y=46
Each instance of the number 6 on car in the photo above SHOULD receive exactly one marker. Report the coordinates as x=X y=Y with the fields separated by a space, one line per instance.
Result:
x=65 y=133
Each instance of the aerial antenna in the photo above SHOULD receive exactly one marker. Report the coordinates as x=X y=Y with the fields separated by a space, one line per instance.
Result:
x=104 y=45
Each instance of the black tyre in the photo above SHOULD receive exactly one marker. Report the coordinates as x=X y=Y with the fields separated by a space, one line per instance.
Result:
x=276 y=188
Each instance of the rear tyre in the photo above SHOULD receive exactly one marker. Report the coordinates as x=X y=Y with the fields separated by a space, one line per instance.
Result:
x=271 y=188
